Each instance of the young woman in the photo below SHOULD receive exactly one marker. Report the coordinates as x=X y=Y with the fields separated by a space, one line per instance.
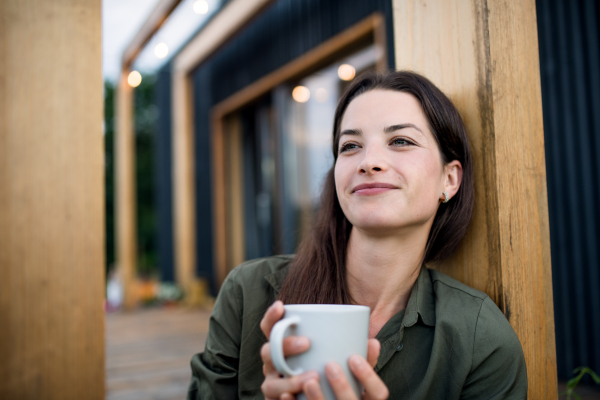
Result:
x=399 y=195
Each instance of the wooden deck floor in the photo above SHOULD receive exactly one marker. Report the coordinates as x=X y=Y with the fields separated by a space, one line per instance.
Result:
x=148 y=352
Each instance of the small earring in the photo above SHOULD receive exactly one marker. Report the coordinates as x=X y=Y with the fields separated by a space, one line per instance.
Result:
x=447 y=198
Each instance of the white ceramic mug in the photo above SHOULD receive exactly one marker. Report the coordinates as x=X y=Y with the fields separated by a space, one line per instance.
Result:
x=336 y=332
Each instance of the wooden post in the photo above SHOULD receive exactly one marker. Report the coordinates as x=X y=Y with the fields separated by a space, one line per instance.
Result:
x=484 y=55
x=234 y=15
x=126 y=255
x=51 y=200
x=183 y=182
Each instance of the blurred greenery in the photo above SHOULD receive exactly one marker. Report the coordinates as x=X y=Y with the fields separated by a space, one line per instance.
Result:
x=146 y=114
x=572 y=383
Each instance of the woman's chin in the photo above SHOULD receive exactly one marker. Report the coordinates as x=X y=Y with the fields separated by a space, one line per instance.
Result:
x=378 y=225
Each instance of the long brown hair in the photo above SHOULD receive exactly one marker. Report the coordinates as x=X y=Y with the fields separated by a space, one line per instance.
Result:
x=318 y=272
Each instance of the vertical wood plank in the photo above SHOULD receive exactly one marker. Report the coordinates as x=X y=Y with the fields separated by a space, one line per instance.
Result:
x=484 y=55
x=51 y=200
x=521 y=184
x=183 y=182
x=235 y=193
x=126 y=238
x=219 y=210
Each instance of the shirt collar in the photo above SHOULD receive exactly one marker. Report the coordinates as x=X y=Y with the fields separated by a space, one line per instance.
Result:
x=421 y=301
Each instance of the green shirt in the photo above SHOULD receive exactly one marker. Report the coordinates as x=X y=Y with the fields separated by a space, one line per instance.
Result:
x=451 y=341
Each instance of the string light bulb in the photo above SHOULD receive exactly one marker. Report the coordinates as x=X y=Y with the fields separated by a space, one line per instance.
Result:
x=346 y=72
x=134 y=79
x=161 y=50
x=301 y=94
x=200 y=7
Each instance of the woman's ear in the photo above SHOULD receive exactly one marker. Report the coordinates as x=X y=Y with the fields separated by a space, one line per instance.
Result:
x=453 y=172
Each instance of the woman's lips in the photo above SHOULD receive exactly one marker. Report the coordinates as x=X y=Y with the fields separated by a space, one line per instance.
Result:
x=368 y=189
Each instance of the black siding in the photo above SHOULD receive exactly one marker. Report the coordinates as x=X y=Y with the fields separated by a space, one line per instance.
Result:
x=570 y=75
x=284 y=31
x=163 y=174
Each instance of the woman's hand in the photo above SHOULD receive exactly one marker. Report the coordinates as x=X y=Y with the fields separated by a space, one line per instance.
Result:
x=275 y=386
x=362 y=369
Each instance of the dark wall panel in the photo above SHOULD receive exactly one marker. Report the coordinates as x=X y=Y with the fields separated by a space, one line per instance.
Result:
x=202 y=174
x=163 y=174
x=284 y=31
x=570 y=75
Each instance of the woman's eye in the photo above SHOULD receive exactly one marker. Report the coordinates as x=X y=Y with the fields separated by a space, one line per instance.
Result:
x=400 y=142
x=348 y=146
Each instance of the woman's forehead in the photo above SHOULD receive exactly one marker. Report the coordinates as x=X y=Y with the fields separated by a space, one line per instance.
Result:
x=384 y=108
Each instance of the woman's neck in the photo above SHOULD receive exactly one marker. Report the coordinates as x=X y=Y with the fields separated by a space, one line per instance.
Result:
x=381 y=271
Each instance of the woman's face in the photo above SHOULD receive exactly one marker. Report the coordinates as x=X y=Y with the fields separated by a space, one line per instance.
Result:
x=389 y=174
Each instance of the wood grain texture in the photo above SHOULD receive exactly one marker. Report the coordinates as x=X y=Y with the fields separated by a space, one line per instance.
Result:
x=148 y=352
x=183 y=182
x=51 y=200
x=125 y=205
x=484 y=56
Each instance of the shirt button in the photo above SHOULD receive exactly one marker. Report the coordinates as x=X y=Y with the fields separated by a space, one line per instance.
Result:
x=399 y=347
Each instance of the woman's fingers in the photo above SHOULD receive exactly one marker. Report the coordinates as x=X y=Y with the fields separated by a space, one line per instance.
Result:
x=375 y=389
x=312 y=390
x=274 y=313
x=339 y=383
x=275 y=387
x=373 y=349
x=292 y=345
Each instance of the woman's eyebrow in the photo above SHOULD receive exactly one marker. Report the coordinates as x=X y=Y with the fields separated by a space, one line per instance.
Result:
x=393 y=128
x=356 y=132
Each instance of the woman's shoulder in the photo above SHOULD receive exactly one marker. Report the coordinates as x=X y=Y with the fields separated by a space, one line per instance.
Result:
x=257 y=273
x=260 y=267
x=446 y=285
x=469 y=307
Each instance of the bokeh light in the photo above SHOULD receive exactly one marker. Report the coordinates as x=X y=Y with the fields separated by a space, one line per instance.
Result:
x=161 y=50
x=321 y=95
x=134 y=79
x=301 y=94
x=200 y=7
x=346 y=72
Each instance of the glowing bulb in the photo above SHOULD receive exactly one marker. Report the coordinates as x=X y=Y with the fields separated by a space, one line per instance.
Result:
x=301 y=94
x=346 y=72
x=161 y=50
x=200 y=7
x=321 y=95
x=134 y=79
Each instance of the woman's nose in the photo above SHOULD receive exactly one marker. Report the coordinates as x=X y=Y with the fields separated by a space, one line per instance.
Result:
x=373 y=161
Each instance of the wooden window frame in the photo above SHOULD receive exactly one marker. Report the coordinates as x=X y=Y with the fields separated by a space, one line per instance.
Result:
x=227 y=251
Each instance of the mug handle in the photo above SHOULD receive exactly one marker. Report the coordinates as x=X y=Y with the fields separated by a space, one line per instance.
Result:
x=276 y=345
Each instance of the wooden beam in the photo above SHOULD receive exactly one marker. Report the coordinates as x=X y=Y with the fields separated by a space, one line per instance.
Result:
x=126 y=237
x=369 y=29
x=235 y=193
x=225 y=24
x=229 y=20
x=184 y=202
x=484 y=55
x=155 y=20
x=52 y=253
x=125 y=204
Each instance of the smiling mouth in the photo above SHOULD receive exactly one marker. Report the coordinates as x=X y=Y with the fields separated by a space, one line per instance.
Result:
x=367 y=189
